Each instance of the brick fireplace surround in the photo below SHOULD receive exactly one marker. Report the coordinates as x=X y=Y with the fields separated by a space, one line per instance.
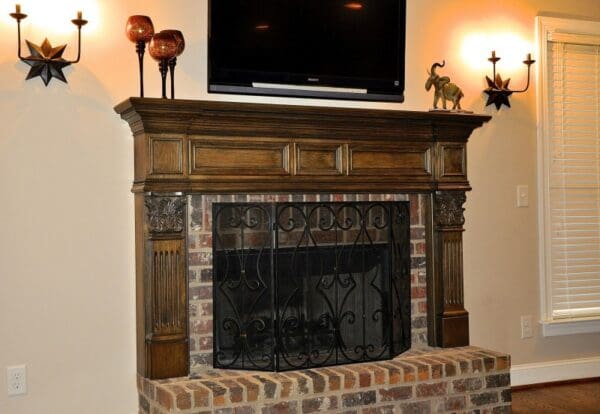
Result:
x=189 y=154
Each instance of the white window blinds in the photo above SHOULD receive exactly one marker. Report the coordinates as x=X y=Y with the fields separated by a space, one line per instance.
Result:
x=573 y=175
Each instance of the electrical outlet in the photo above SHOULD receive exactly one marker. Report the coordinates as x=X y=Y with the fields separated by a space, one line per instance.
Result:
x=526 y=327
x=16 y=380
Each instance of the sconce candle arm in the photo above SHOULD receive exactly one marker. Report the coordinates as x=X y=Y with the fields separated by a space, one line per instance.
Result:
x=18 y=17
x=528 y=77
x=79 y=22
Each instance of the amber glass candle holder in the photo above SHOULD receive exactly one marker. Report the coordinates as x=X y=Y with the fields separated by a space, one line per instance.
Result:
x=173 y=61
x=163 y=48
x=139 y=30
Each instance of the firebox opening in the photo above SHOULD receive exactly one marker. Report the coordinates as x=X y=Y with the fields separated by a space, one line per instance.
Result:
x=302 y=285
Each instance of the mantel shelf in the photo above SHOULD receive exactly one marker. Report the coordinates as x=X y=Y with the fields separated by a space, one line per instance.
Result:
x=206 y=146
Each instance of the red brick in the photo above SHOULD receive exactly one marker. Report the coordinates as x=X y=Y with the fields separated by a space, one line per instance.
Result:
x=484 y=398
x=502 y=363
x=467 y=385
x=205 y=240
x=317 y=380
x=183 y=399
x=416 y=407
x=164 y=398
x=422 y=370
x=235 y=390
x=394 y=374
x=431 y=390
x=200 y=259
x=290 y=407
x=201 y=394
x=349 y=378
x=204 y=327
x=357 y=399
x=455 y=403
x=497 y=381
x=200 y=292
x=218 y=392
x=409 y=371
x=418 y=292
x=414 y=209
x=252 y=389
x=379 y=374
x=396 y=393
x=333 y=379
x=301 y=382
x=206 y=309
x=313 y=405
x=269 y=387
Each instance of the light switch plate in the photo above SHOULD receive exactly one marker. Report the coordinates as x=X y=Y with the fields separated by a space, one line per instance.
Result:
x=526 y=327
x=522 y=196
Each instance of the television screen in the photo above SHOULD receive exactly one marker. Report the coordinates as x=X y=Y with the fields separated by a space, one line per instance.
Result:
x=297 y=47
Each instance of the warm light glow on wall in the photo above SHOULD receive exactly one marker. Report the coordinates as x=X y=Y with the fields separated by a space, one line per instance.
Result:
x=476 y=48
x=46 y=18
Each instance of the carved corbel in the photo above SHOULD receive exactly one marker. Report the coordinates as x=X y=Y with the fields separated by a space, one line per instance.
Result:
x=165 y=214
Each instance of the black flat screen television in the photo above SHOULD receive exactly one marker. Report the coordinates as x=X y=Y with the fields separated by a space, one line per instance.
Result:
x=309 y=48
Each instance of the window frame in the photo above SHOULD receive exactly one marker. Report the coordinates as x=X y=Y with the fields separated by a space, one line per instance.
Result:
x=545 y=27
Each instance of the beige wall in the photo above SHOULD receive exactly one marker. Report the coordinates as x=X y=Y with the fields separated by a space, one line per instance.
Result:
x=66 y=215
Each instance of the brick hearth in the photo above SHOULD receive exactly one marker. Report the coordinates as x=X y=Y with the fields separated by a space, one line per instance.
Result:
x=458 y=380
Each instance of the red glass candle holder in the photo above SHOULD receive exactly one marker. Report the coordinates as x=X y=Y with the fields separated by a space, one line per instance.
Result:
x=139 y=29
x=163 y=47
x=173 y=62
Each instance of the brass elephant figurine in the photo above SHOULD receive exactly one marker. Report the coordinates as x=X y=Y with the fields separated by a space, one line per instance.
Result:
x=444 y=89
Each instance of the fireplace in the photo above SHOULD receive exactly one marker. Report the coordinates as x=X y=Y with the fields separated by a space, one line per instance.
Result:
x=199 y=163
x=304 y=285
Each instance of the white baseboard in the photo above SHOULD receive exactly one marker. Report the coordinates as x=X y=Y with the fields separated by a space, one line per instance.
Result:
x=552 y=371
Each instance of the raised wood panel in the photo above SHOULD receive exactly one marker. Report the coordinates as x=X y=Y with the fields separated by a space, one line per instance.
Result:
x=453 y=158
x=168 y=288
x=168 y=359
x=166 y=155
x=254 y=158
x=318 y=159
x=388 y=160
x=452 y=269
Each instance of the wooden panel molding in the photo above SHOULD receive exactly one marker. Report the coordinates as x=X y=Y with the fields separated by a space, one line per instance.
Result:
x=184 y=146
x=166 y=155
x=390 y=160
x=239 y=157
x=319 y=159
x=453 y=161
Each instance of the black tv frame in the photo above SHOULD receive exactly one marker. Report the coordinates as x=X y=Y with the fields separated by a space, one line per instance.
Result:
x=300 y=80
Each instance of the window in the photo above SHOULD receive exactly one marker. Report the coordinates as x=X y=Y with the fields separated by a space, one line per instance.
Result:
x=569 y=174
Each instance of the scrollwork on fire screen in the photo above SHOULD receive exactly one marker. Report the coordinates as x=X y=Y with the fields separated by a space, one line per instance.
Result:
x=300 y=285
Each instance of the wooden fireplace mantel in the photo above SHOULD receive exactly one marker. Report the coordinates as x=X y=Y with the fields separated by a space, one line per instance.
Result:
x=184 y=146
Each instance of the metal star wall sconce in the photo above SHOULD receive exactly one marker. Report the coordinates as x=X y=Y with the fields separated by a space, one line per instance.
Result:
x=498 y=90
x=46 y=61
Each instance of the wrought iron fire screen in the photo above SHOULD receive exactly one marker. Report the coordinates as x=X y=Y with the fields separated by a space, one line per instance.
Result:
x=301 y=285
